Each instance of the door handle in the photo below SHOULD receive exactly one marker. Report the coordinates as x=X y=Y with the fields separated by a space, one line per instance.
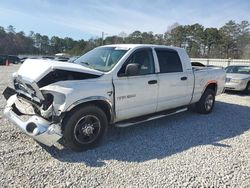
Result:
x=184 y=78
x=152 y=82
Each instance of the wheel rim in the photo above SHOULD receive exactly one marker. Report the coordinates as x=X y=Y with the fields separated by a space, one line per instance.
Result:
x=87 y=129
x=209 y=102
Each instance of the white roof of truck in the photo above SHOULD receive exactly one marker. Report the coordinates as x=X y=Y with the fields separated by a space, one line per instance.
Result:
x=140 y=45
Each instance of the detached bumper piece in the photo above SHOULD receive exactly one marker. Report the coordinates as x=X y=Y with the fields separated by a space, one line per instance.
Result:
x=8 y=92
x=36 y=127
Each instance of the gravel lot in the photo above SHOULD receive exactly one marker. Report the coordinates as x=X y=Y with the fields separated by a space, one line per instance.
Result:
x=184 y=150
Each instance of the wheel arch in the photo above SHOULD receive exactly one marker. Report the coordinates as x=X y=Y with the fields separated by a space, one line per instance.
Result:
x=212 y=84
x=101 y=102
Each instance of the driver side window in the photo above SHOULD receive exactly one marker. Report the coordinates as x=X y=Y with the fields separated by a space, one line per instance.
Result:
x=142 y=57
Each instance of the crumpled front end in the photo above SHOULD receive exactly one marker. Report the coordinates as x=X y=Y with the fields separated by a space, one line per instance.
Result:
x=39 y=125
x=40 y=93
x=35 y=127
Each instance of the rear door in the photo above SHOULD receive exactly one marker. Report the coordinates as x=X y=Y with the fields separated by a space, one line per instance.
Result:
x=173 y=80
x=136 y=95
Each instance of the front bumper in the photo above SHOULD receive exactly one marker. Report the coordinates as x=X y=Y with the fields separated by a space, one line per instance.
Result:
x=235 y=86
x=36 y=127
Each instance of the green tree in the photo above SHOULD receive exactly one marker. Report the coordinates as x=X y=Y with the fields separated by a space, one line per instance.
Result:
x=229 y=34
x=45 y=44
x=159 y=39
x=38 y=42
x=3 y=35
x=134 y=38
x=194 y=39
x=243 y=40
x=176 y=36
x=231 y=40
x=113 y=40
x=56 y=45
x=11 y=29
x=211 y=38
x=69 y=43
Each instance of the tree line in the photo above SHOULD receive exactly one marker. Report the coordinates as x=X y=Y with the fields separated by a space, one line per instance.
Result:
x=230 y=41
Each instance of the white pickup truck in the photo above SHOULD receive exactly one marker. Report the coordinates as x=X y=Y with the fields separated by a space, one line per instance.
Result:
x=115 y=84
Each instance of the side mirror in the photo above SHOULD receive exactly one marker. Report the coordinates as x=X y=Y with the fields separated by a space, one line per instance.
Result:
x=132 y=69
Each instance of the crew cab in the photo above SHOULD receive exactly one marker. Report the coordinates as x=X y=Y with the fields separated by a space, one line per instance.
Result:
x=111 y=85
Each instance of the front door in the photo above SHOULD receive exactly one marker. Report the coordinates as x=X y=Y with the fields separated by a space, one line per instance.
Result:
x=136 y=95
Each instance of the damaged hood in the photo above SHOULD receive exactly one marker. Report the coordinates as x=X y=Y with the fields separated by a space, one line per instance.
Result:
x=35 y=69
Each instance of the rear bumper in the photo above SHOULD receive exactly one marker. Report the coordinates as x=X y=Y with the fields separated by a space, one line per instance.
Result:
x=36 y=127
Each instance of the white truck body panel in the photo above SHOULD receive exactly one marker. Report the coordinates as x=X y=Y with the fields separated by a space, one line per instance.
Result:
x=128 y=96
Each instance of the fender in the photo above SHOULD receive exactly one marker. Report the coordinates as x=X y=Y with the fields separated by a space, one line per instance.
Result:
x=209 y=82
x=92 y=99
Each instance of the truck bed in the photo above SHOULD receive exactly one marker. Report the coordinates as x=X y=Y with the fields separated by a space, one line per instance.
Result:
x=204 y=75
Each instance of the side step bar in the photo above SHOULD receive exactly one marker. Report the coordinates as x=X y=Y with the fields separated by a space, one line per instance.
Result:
x=150 y=117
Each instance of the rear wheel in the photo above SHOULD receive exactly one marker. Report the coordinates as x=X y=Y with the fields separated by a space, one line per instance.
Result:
x=85 y=128
x=206 y=103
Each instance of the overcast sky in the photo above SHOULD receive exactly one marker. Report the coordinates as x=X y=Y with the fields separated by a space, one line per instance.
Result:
x=88 y=18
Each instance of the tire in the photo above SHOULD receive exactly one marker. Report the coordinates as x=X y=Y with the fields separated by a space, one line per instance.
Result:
x=206 y=102
x=247 y=90
x=85 y=128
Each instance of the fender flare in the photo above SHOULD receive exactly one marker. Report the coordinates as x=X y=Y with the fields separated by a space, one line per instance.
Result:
x=93 y=99
x=208 y=83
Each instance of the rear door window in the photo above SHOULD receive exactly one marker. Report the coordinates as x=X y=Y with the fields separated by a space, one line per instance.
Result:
x=169 y=61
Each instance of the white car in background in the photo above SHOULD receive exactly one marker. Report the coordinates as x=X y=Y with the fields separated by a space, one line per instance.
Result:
x=238 y=78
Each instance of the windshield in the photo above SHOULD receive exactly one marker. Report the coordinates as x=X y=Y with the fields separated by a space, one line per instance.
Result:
x=102 y=59
x=238 y=69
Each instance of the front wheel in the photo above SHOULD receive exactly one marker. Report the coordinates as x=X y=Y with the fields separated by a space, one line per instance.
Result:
x=247 y=90
x=85 y=128
x=206 y=102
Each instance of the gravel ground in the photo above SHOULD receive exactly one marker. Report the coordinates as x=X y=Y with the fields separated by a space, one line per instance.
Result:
x=186 y=150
